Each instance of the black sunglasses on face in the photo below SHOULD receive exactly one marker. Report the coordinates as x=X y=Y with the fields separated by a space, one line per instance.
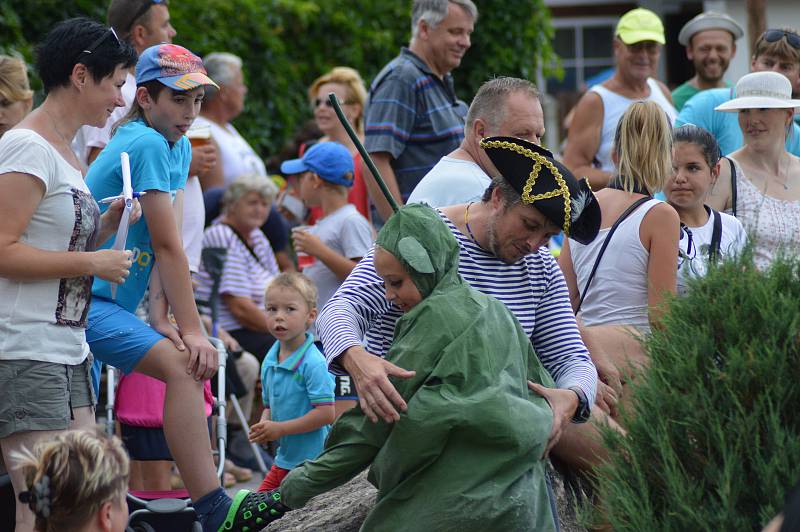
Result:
x=92 y=47
x=775 y=35
x=326 y=102
x=143 y=10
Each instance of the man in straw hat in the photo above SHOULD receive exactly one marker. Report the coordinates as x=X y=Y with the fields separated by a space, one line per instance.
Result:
x=710 y=41
x=637 y=43
x=501 y=238
x=777 y=50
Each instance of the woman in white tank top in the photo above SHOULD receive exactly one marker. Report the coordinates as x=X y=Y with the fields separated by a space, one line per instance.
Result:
x=638 y=267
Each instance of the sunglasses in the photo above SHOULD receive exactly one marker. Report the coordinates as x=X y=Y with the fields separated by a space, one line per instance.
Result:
x=316 y=102
x=93 y=47
x=143 y=10
x=776 y=35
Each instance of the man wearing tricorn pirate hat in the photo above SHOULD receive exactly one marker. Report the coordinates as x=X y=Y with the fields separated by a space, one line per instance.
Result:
x=500 y=238
x=469 y=364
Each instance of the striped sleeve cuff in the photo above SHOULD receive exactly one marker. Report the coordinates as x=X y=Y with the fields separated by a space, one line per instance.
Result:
x=322 y=401
x=338 y=330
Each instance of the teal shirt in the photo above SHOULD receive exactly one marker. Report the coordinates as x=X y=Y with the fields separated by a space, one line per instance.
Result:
x=682 y=94
x=724 y=126
x=291 y=389
x=155 y=165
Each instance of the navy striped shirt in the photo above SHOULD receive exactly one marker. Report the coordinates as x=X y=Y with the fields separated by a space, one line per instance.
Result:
x=533 y=289
x=415 y=116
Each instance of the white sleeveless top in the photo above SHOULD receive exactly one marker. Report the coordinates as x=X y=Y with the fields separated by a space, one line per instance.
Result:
x=618 y=293
x=614 y=105
x=236 y=155
x=773 y=225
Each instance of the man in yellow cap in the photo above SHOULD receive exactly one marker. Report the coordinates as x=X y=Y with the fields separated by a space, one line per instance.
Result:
x=637 y=44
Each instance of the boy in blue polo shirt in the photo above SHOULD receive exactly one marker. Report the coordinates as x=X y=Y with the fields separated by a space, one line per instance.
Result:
x=297 y=388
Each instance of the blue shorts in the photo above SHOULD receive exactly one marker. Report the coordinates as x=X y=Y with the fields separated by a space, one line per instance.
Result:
x=116 y=336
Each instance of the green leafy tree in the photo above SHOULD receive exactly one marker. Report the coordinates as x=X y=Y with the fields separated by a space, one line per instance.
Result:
x=286 y=44
x=714 y=442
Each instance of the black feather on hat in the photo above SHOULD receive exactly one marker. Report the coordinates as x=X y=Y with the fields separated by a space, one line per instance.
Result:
x=546 y=184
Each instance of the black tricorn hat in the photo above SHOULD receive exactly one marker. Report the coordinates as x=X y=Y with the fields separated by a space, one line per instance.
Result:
x=546 y=184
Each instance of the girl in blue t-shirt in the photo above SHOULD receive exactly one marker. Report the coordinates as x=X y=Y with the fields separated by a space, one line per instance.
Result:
x=170 y=84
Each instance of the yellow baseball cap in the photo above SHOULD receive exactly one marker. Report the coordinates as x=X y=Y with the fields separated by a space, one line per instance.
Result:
x=639 y=25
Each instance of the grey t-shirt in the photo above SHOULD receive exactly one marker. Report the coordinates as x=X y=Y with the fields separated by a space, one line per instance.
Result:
x=347 y=233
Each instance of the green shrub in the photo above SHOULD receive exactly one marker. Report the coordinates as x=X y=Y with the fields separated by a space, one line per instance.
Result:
x=714 y=443
x=286 y=44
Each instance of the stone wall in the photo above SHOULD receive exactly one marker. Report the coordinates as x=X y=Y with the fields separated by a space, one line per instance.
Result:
x=345 y=508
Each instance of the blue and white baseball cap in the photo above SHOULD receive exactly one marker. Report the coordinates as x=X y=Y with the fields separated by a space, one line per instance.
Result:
x=330 y=160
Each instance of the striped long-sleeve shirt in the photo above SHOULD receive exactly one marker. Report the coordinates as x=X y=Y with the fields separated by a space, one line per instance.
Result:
x=533 y=289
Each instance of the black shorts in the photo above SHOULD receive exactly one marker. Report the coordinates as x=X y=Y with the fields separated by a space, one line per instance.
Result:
x=147 y=443
x=345 y=388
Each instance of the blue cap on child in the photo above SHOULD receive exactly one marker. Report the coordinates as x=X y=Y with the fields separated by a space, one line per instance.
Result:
x=330 y=160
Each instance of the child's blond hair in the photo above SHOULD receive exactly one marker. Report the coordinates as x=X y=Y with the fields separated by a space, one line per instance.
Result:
x=298 y=282
x=339 y=189
x=72 y=475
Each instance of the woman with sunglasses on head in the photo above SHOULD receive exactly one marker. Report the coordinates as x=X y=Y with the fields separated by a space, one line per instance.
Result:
x=51 y=226
x=707 y=235
x=760 y=182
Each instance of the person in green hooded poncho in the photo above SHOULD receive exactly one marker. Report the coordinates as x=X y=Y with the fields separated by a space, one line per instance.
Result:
x=468 y=453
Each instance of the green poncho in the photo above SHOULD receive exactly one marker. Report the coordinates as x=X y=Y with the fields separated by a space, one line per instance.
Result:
x=467 y=454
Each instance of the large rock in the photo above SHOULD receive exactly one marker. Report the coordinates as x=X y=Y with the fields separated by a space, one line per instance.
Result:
x=346 y=507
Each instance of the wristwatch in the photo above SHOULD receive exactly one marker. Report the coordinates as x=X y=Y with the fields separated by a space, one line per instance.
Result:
x=582 y=412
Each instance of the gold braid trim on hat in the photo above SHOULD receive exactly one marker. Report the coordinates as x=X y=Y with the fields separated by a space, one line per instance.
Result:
x=527 y=197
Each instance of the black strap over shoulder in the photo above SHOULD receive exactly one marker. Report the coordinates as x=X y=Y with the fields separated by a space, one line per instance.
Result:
x=635 y=205
x=243 y=241
x=716 y=236
x=733 y=184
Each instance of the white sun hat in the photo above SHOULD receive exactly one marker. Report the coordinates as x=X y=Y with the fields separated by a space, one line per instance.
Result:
x=761 y=90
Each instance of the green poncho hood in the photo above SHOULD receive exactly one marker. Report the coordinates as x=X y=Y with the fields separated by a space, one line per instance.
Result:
x=424 y=246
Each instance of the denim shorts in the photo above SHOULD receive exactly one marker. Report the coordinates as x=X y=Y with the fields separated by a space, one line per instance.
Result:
x=117 y=337
x=41 y=395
